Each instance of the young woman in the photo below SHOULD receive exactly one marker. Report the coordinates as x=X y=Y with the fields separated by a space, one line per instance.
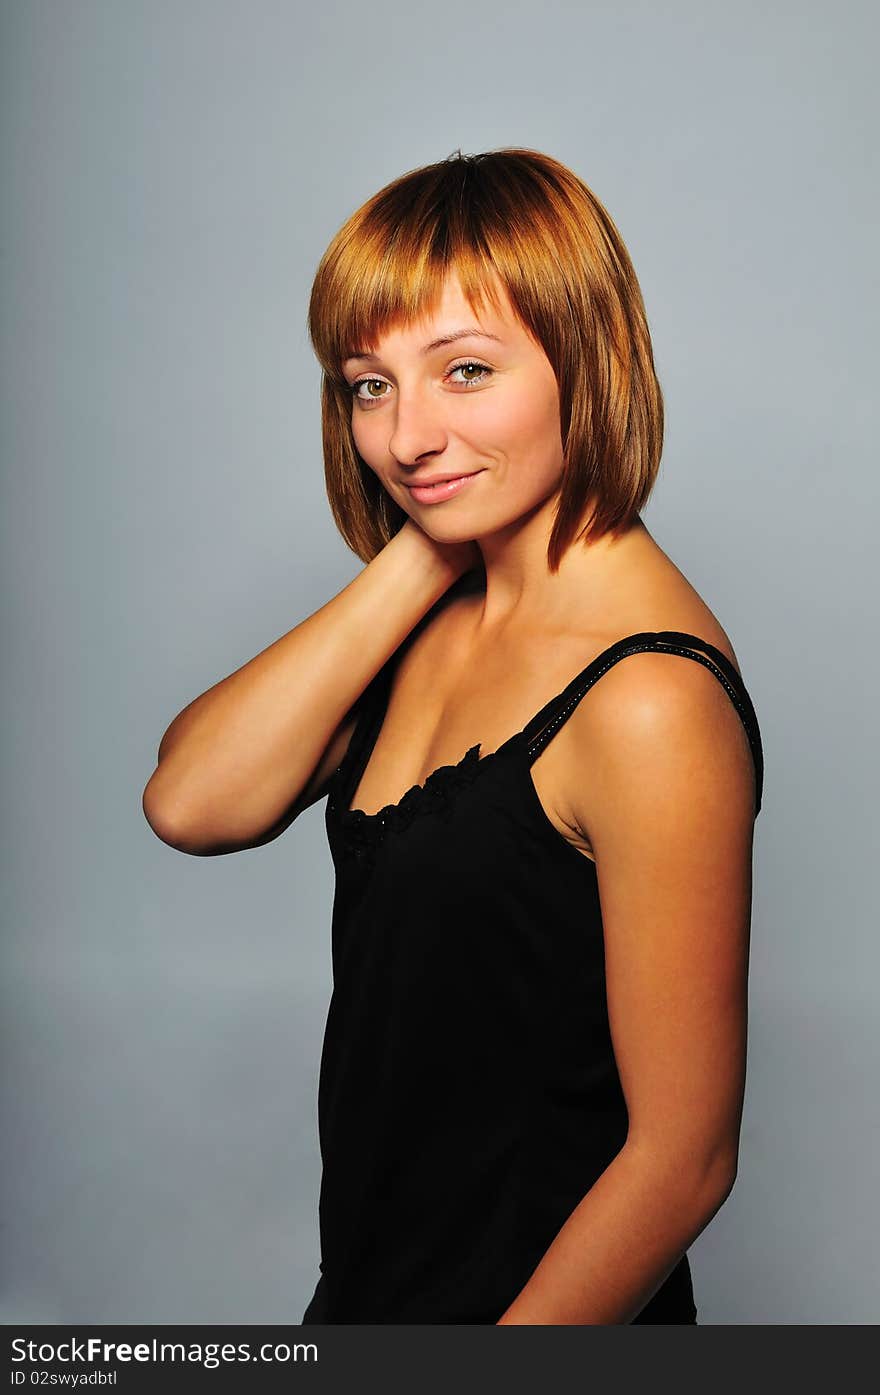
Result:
x=542 y=770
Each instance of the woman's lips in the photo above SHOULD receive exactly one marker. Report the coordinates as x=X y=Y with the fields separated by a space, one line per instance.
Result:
x=436 y=493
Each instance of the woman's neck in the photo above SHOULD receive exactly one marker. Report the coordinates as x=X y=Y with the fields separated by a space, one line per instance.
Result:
x=521 y=590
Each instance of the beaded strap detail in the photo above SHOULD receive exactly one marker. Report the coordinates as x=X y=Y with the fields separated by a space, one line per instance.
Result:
x=744 y=708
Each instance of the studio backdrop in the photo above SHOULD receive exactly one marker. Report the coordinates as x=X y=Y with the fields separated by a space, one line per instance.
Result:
x=172 y=173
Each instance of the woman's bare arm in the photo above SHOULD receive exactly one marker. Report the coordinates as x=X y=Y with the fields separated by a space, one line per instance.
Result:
x=662 y=778
x=249 y=754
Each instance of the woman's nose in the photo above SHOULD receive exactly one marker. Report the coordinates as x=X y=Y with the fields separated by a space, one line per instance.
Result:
x=418 y=427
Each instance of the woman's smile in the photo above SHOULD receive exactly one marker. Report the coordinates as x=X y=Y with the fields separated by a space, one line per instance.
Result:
x=442 y=489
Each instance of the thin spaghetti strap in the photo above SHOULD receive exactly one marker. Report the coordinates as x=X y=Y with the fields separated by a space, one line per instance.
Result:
x=547 y=722
x=721 y=659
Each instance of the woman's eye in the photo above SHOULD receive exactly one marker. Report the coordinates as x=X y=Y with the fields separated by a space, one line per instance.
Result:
x=481 y=369
x=367 y=382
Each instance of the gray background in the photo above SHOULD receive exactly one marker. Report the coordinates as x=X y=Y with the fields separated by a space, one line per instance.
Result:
x=171 y=174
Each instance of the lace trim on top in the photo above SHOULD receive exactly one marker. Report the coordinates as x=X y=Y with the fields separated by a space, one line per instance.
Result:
x=362 y=832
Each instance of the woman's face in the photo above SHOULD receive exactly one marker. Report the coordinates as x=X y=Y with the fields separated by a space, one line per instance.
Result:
x=482 y=408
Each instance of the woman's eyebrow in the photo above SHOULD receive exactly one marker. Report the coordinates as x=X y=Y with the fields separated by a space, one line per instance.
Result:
x=435 y=343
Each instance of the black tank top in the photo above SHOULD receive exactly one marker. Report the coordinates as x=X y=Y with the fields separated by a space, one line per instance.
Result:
x=468 y=1094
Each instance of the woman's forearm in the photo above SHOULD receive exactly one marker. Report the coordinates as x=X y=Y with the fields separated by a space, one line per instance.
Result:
x=239 y=755
x=620 y=1243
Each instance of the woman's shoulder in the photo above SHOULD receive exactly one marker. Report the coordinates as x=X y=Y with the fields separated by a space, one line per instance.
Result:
x=660 y=716
x=666 y=684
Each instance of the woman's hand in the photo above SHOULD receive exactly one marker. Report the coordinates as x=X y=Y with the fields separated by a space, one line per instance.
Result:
x=459 y=557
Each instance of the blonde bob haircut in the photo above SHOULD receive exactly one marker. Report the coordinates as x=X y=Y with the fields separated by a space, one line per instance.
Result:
x=519 y=217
